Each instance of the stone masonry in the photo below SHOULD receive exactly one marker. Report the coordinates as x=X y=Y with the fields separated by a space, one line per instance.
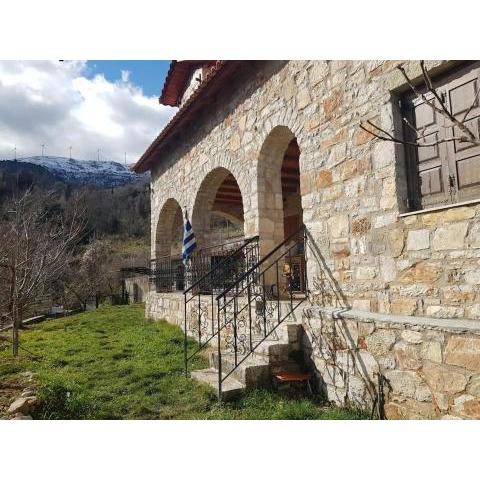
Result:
x=429 y=368
x=367 y=253
x=353 y=187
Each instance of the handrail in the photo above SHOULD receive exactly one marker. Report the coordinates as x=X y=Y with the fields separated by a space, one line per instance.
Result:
x=219 y=264
x=260 y=262
x=242 y=344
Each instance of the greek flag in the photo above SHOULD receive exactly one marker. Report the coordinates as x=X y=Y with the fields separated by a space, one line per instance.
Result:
x=189 y=242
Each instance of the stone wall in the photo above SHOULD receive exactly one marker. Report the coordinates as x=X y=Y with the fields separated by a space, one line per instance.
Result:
x=137 y=288
x=430 y=368
x=353 y=187
x=165 y=306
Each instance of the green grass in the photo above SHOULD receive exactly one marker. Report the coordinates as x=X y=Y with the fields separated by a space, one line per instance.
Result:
x=113 y=364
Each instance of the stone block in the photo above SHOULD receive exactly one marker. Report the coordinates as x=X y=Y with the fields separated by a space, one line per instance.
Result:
x=471 y=408
x=388 y=197
x=409 y=410
x=441 y=401
x=463 y=351
x=458 y=294
x=365 y=328
x=361 y=226
x=332 y=104
x=380 y=341
x=396 y=241
x=324 y=178
x=358 y=393
x=318 y=72
x=420 y=272
x=366 y=273
x=388 y=268
x=418 y=239
x=303 y=98
x=474 y=386
x=363 y=304
x=366 y=365
x=407 y=356
x=450 y=237
x=403 y=383
x=362 y=137
x=430 y=219
x=444 y=378
x=338 y=226
x=472 y=277
x=442 y=311
x=459 y=404
x=403 y=306
x=472 y=311
x=431 y=350
x=411 y=336
x=458 y=213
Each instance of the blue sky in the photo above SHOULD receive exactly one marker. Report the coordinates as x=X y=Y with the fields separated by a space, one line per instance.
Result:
x=147 y=74
x=102 y=109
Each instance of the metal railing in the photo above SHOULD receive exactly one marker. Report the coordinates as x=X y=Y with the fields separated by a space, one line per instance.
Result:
x=199 y=297
x=249 y=311
x=167 y=274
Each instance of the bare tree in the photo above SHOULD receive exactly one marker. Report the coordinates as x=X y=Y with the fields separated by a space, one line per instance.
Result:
x=437 y=103
x=93 y=273
x=35 y=245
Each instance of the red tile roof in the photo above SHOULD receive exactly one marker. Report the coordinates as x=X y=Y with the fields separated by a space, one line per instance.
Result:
x=210 y=85
x=177 y=80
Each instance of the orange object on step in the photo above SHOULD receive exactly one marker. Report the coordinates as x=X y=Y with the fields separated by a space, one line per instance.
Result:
x=292 y=377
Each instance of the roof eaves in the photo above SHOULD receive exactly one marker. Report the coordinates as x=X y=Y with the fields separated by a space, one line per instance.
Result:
x=143 y=163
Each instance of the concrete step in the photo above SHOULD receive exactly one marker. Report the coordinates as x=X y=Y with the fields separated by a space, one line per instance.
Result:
x=231 y=387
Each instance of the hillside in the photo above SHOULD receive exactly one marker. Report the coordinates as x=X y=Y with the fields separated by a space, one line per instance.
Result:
x=112 y=207
x=83 y=172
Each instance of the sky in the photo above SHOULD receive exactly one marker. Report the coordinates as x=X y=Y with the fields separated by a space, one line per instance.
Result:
x=101 y=109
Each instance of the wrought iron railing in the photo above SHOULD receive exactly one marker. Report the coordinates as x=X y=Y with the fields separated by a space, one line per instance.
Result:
x=167 y=274
x=200 y=296
x=249 y=311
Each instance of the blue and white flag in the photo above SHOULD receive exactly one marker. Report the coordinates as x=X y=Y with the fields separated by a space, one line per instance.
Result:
x=189 y=242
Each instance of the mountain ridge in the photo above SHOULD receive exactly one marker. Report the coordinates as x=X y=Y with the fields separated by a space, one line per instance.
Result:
x=85 y=172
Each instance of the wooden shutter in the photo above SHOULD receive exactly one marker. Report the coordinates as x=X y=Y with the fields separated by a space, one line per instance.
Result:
x=464 y=158
x=427 y=166
x=448 y=172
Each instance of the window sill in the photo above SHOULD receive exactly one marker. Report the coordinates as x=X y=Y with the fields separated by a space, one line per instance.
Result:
x=440 y=208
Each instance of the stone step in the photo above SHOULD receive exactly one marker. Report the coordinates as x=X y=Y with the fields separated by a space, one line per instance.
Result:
x=231 y=387
x=254 y=371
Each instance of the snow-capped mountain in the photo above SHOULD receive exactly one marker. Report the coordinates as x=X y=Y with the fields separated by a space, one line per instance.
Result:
x=104 y=174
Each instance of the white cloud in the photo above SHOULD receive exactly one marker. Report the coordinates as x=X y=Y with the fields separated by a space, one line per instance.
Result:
x=125 y=75
x=54 y=103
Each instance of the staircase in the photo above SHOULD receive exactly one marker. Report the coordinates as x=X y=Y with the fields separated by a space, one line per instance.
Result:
x=271 y=356
x=254 y=330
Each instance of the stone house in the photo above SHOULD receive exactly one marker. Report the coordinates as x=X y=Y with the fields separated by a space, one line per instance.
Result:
x=385 y=269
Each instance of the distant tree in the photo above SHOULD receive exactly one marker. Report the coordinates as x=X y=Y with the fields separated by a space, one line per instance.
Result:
x=91 y=275
x=36 y=243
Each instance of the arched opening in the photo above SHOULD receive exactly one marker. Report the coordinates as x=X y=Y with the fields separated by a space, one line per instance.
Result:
x=217 y=216
x=168 y=266
x=280 y=212
x=168 y=241
x=293 y=213
x=218 y=223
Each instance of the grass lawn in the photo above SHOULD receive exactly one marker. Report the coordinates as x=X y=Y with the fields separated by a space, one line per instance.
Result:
x=114 y=364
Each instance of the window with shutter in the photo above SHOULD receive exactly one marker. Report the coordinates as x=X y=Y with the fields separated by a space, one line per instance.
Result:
x=448 y=172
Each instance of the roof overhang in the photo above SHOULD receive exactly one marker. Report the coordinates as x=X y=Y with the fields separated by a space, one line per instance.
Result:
x=203 y=96
x=177 y=80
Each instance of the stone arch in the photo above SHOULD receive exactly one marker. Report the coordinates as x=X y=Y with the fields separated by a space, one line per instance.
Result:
x=218 y=193
x=168 y=238
x=270 y=218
